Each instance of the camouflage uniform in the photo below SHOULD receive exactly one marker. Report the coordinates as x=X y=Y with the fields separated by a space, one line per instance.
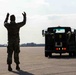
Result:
x=13 y=40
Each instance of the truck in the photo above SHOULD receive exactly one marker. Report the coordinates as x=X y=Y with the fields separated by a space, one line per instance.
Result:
x=59 y=40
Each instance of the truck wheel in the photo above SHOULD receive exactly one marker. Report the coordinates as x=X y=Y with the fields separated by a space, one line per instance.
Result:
x=50 y=54
x=74 y=53
x=46 y=54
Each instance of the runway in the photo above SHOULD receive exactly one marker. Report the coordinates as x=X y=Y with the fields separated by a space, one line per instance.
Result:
x=33 y=62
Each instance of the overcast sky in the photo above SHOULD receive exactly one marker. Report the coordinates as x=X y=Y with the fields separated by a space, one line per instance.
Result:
x=40 y=15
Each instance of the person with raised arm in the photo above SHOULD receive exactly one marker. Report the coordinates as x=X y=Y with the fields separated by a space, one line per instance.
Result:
x=13 y=39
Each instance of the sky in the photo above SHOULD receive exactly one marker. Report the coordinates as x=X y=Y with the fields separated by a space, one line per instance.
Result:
x=41 y=14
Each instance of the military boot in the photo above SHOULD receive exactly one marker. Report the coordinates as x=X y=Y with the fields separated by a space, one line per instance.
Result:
x=17 y=67
x=9 y=67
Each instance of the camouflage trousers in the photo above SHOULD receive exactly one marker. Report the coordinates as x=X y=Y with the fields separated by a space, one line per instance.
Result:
x=13 y=47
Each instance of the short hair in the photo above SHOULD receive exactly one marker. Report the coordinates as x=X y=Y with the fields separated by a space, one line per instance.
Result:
x=12 y=17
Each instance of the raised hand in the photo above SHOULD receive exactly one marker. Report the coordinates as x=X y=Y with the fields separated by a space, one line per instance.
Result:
x=7 y=14
x=24 y=13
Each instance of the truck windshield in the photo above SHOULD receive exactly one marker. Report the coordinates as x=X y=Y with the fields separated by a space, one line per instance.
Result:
x=59 y=30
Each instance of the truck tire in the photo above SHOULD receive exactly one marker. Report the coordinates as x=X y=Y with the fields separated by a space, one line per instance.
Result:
x=46 y=54
x=74 y=53
x=50 y=54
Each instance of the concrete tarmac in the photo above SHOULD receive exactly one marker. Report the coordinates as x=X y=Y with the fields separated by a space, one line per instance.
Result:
x=33 y=62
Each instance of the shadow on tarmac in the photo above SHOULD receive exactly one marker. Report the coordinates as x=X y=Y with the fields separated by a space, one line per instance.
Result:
x=21 y=72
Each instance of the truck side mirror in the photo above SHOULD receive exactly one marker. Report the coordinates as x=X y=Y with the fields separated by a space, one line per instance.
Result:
x=75 y=31
x=43 y=32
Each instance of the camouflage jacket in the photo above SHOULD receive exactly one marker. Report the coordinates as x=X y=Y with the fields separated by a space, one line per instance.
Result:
x=13 y=30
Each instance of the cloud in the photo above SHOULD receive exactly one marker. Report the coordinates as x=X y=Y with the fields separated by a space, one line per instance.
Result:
x=62 y=20
x=61 y=6
x=40 y=15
